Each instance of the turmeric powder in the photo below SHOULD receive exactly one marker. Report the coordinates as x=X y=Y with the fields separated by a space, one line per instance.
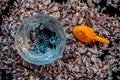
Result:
x=86 y=34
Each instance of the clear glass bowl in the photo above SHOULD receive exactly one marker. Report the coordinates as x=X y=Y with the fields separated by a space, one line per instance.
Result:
x=40 y=39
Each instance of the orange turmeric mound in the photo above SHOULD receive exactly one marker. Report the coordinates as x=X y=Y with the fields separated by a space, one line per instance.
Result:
x=86 y=34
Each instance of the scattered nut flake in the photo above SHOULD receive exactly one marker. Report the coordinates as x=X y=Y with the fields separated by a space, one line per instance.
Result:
x=78 y=60
x=104 y=68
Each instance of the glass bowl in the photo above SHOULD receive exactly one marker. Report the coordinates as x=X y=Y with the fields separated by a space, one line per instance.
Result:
x=40 y=39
